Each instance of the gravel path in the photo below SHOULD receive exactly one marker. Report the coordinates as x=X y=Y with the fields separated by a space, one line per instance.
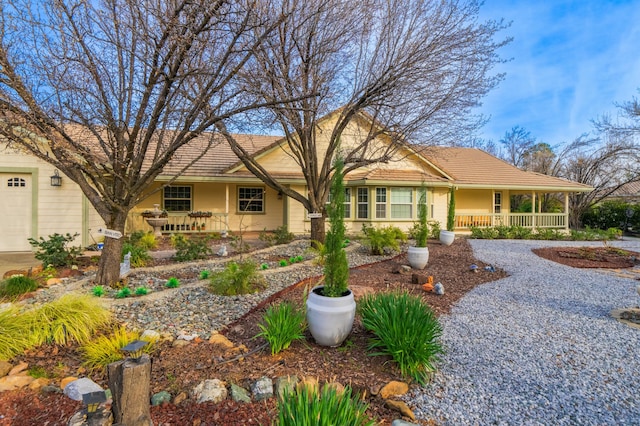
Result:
x=538 y=347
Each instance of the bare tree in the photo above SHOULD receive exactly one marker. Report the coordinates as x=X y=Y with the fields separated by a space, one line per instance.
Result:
x=109 y=91
x=517 y=144
x=408 y=71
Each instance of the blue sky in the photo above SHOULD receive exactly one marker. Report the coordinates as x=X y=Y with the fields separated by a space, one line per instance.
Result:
x=571 y=61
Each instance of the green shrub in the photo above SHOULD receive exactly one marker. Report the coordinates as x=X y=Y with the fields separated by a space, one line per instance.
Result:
x=141 y=291
x=612 y=214
x=281 y=325
x=146 y=240
x=98 y=291
x=139 y=255
x=15 y=333
x=17 y=285
x=173 y=282
x=282 y=235
x=283 y=262
x=267 y=237
x=193 y=248
x=434 y=229
x=326 y=408
x=237 y=278
x=105 y=349
x=381 y=240
x=504 y=231
x=205 y=274
x=521 y=233
x=405 y=329
x=71 y=318
x=336 y=265
x=264 y=266
x=55 y=250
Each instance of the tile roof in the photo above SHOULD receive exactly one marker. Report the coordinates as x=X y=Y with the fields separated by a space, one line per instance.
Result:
x=474 y=167
x=631 y=189
x=394 y=175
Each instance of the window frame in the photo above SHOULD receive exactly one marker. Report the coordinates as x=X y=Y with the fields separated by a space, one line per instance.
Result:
x=16 y=182
x=250 y=200
x=497 y=202
x=362 y=205
x=410 y=191
x=165 y=198
x=381 y=206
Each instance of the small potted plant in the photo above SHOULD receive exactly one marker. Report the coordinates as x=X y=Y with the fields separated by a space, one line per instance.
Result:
x=331 y=307
x=418 y=255
x=447 y=237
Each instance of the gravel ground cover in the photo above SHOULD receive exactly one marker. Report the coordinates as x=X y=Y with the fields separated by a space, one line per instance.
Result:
x=538 y=347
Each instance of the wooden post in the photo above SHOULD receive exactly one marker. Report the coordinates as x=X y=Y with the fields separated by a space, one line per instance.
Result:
x=130 y=384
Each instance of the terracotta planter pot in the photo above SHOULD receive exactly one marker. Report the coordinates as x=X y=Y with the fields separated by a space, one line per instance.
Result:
x=330 y=319
x=418 y=257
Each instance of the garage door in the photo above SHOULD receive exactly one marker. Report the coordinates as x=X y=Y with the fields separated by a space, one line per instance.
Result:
x=15 y=211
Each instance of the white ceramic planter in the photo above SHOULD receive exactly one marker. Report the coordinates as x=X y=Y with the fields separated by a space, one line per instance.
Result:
x=418 y=257
x=447 y=237
x=330 y=319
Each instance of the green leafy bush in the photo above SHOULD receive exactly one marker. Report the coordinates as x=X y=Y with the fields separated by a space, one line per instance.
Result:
x=281 y=325
x=173 y=282
x=326 y=408
x=141 y=291
x=16 y=285
x=405 y=329
x=143 y=239
x=193 y=248
x=98 y=291
x=612 y=214
x=283 y=262
x=381 y=240
x=282 y=235
x=267 y=237
x=55 y=250
x=205 y=274
x=237 y=278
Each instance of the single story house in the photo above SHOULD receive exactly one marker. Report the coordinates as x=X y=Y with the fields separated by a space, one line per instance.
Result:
x=219 y=193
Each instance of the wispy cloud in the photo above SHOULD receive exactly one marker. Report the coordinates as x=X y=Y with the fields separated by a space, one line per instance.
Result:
x=571 y=61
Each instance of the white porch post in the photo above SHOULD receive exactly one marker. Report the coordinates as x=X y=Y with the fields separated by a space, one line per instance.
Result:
x=533 y=209
x=566 y=211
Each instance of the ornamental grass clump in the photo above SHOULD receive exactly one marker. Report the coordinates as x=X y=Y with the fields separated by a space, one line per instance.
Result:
x=325 y=408
x=17 y=285
x=282 y=324
x=15 y=335
x=71 y=318
x=105 y=349
x=405 y=329
x=237 y=278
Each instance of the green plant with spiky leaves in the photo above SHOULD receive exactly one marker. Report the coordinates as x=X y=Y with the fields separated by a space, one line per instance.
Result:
x=205 y=274
x=123 y=293
x=141 y=291
x=98 y=291
x=237 y=278
x=282 y=324
x=173 y=282
x=405 y=329
x=336 y=266
x=283 y=263
x=308 y=406
x=15 y=333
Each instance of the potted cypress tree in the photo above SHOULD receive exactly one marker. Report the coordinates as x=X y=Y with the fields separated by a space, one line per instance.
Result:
x=331 y=307
x=418 y=255
x=447 y=237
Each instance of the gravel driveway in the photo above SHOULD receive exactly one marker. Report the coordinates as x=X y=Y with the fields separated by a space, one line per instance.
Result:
x=538 y=347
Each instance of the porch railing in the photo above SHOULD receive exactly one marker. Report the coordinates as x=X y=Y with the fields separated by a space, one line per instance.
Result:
x=182 y=222
x=526 y=220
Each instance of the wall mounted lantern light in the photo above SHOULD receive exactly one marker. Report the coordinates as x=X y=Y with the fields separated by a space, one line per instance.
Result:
x=56 y=179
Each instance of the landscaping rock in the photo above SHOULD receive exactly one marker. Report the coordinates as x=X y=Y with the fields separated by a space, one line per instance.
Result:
x=394 y=388
x=285 y=384
x=160 y=398
x=64 y=382
x=5 y=367
x=178 y=343
x=16 y=381
x=77 y=388
x=150 y=336
x=262 y=388
x=180 y=398
x=38 y=383
x=402 y=269
x=418 y=278
x=338 y=387
x=401 y=407
x=210 y=390
x=438 y=289
x=219 y=339
x=239 y=394
x=50 y=389
x=18 y=368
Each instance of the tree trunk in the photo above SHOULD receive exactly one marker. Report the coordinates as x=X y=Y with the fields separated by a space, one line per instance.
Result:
x=318 y=232
x=109 y=266
x=129 y=381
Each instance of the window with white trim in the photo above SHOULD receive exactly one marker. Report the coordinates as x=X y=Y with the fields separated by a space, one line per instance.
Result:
x=362 y=204
x=250 y=199
x=497 y=202
x=16 y=182
x=347 y=202
x=178 y=198
x=381 y=203
x=401 y=203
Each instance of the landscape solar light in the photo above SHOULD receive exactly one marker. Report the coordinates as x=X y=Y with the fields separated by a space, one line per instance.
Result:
x=134 y=349
x=92 y=401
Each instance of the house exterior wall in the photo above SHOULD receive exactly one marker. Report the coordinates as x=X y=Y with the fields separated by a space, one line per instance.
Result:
x=53 y=209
